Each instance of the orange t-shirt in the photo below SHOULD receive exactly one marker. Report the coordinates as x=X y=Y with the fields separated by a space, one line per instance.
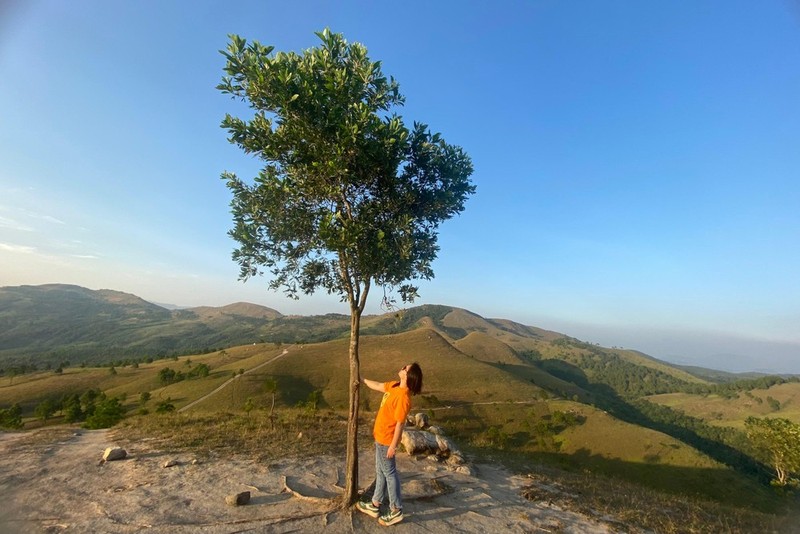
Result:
x=395 y=405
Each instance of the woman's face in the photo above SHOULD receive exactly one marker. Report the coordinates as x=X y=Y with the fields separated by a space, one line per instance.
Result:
x=403 y=372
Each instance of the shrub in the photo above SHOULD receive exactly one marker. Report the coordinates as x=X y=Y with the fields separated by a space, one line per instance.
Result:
x=11 y=417
x=107 y=413
x=165 y=406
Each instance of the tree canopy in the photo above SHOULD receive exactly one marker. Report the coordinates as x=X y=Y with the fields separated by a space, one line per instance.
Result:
x=348 y=195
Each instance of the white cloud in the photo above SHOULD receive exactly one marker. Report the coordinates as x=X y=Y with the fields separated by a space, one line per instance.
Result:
x=18 y=249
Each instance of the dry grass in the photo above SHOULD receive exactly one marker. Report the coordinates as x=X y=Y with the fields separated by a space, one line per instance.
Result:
x=629 y=507
x=721 y=411
x=290 y=433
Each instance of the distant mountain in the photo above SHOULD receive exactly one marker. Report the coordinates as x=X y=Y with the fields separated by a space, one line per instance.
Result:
x=52 y=324
x=55 y=323
x=721 y=377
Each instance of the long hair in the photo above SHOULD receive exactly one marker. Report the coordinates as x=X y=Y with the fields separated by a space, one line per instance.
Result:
x=414 y=378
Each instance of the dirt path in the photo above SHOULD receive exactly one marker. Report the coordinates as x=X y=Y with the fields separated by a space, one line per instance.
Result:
x=51 y=482
x=227 y=382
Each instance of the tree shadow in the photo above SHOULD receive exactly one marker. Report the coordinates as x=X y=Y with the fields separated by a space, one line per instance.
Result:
x=719 y=485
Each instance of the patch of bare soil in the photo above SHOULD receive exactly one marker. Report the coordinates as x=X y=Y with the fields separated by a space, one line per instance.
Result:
x=53 y=481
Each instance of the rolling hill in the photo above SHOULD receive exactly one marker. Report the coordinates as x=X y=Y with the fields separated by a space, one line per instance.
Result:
x=497 y=386
x=51 y=324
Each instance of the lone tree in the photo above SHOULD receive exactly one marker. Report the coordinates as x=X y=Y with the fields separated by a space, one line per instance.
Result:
x=777 y=441
x=348 y=197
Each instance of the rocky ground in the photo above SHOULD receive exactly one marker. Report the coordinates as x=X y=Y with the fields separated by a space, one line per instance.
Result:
x=54 y=481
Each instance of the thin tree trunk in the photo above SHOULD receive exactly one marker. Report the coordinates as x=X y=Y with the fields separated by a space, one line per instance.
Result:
x=351 y=463
x=271 y=410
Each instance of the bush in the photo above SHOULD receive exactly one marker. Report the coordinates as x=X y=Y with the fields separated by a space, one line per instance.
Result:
x=11 y=417
x=165 y=406
x=107 y=413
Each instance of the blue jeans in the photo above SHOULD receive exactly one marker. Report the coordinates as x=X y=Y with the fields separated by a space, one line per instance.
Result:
x=386 y=478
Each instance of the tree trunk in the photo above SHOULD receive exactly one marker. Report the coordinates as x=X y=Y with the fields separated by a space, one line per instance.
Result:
x=351 y=463
x=782 y=476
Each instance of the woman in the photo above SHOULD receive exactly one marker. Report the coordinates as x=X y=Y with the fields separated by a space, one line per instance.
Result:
x=388 y=430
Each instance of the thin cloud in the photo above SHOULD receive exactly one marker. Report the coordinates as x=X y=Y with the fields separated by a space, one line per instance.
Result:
x=50 y=218
x=5 y=222
x=17 y=249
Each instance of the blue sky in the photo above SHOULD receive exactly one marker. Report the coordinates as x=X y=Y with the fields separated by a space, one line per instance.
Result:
x=637 y=163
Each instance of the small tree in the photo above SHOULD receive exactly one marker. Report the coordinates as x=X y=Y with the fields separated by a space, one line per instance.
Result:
x=271 y=387
x=249 y=404
x=107 y=413
x=72 y=409
x=348 y=197
x=45 y=409
x=777 y=440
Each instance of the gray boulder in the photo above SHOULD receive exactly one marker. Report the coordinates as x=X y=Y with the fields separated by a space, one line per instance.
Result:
x=419 y=442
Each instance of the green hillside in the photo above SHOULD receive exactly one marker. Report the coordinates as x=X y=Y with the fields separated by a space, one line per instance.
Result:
x=780 y=400
x=52 y=324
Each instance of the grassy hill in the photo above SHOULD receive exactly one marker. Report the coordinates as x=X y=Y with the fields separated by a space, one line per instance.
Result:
x=781 y=400
x=507 y=410
x=503 y=390
x=51 y=324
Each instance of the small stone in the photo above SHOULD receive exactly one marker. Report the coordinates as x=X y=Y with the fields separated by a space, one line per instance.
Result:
x=421 y=420
x=238 y=499
x=114 y=453
x=455 y=459
x=464 y=470
x=300 y=435
x=195 y=461
x=171 y=463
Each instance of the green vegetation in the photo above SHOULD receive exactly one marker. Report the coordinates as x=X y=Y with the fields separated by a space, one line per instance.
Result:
x=169 y=376
x=11 y=418
x=777 y=441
